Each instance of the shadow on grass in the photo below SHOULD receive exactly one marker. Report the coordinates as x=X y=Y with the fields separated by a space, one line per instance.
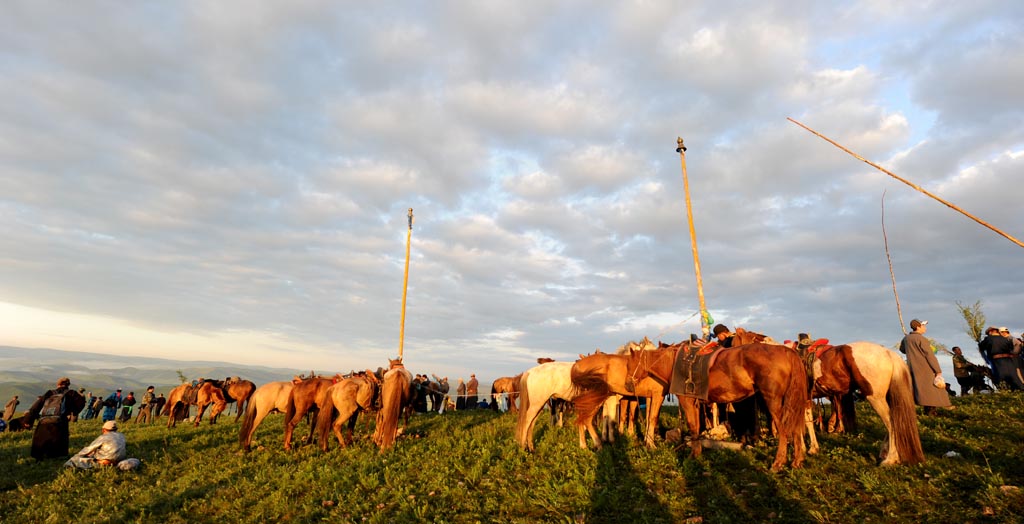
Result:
x=619 y=495
x=736 y=486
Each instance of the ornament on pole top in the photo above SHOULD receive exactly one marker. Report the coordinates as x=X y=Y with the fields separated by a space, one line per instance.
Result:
x=410 y=218
x=679 y=145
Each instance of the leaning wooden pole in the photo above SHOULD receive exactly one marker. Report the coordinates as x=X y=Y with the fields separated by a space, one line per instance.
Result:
x=909 y=183
x=892 y=274
x=704 y=327
x=405 y=287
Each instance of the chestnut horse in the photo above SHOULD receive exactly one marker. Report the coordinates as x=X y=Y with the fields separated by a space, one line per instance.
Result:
x=268 y=398
x=306 y=396
x=776 y=372
x=347 y=399
x=206 y=393
x=508 y=386
x=238 y=391
x=396 y=395
x=601 y=376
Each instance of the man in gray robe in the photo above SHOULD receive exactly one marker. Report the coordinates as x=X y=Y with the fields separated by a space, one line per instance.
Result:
x=929 y=386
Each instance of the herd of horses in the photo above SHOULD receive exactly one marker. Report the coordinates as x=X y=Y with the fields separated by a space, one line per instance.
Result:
x=605 y=388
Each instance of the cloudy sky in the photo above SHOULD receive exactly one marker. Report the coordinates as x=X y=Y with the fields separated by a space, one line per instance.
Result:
x=230 y=180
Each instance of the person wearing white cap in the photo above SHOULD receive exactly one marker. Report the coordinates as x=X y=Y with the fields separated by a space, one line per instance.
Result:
x=925 y=373
x=108 y=449
x=998 y=349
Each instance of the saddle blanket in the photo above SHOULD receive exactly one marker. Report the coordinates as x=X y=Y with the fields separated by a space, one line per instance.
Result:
x=690 y=371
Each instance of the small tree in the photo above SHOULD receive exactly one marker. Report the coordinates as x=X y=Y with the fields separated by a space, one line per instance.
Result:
x=974 y=320
x=181 y=376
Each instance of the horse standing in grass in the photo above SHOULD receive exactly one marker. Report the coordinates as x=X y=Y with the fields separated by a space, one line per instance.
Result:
x=601 y=376
x=306 y=396
x=201 y=395
x=396 y=396
x=776 y=372
x=268 y=398
x=883 y=378
x=238 y=391
x=549 y=381
x=508 y=386
x=344 y=401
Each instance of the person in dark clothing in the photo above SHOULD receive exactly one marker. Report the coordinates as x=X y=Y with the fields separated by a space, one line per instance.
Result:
x=1004 y=363
x=724 y=336
x=51 y=436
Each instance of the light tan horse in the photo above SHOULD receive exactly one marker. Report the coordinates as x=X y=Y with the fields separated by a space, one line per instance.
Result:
x=206 y=393
x=600 y=376
x=345 y=400
x=269 y=398
x=306 y=396
x=396 y=395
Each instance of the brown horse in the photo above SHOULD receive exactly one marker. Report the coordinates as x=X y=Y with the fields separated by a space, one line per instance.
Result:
x=306 y=396
x=776 y=372
x=179 y=400
x=238 y=391
x=396 y=395
x=507 y=386
x=268 y=398
x=601 y=376
x=347 y=399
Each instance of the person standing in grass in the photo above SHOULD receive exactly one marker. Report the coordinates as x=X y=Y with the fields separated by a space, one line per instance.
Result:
x=460 y=396
x=925 y=373
x=51 y=437
x=472 y=387
x=146 y=408
x=11 y=406
x=111 y=405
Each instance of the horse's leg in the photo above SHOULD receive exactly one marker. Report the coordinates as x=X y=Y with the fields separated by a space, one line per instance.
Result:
x=775 y=407
x=199 y=416
x=690 y=407
x=809 y=422
x=344 y=416
x=260 y=415
x=653 y=412
x=289 y=425
x=889 y=453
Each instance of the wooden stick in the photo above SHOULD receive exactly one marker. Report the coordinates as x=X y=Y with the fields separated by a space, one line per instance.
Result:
x=704 y=327
x=899 y=310
x=911 y=184
x=405 y=287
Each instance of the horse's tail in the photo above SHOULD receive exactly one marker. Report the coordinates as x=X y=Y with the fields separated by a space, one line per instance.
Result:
x=244 y=434
x=324 y=422
x=391 y=411
x=902 y=413
x=524 y=407
x=589 y=381
x=794 y=401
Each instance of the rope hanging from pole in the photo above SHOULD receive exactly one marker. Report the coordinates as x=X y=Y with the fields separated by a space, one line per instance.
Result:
x=909 y=183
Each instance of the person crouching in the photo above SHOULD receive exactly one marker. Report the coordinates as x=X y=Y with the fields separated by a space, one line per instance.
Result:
x=108 y=449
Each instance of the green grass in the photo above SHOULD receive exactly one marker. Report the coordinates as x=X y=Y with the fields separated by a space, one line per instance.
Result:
x=465 y=467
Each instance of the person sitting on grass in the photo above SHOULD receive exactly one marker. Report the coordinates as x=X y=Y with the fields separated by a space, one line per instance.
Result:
x=107 y=450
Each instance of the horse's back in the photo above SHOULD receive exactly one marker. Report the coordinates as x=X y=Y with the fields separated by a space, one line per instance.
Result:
x=550 y=379
x=876 y=362
x=272 y=395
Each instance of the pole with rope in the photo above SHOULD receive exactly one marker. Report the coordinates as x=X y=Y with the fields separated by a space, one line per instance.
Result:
x=405 y=287
x=704 y=327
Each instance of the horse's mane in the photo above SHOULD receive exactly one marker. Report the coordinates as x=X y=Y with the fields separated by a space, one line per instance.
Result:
x=644 y=344
x=544 y=360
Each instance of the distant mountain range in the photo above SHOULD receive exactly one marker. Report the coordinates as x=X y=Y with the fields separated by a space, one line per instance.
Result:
x=28 y=372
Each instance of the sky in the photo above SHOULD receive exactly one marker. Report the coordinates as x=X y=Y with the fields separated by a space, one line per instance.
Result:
x=230 y=181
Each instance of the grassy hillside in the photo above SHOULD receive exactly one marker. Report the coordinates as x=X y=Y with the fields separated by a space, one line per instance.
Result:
x=464 y=467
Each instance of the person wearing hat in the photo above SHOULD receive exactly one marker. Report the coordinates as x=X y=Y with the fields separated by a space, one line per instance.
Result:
x=471 y=391
x=925 y=373
x=111 y=405
x=146 y=408
x=998 y=350
x=108 y=449
x=724 y=336
x=51 y=436
x=460 y=395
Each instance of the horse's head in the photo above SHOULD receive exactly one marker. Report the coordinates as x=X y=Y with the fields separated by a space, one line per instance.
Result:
x=395 y=363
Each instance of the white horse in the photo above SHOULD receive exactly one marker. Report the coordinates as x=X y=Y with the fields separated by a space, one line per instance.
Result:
x=884 y=379
x=537 y=385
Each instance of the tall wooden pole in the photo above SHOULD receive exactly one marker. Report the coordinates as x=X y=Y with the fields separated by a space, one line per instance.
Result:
x=704 y=328
x=405 y=287
x=911 y=184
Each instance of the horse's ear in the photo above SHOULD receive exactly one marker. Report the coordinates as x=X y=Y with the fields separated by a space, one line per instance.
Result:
x=740 y=330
